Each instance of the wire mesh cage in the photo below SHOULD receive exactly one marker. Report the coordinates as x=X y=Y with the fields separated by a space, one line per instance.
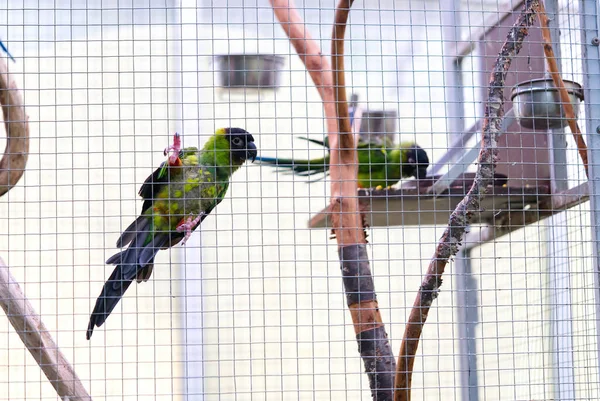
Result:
x=291 y=239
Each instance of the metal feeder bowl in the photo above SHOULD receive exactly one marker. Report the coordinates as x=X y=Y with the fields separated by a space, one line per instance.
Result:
x=377 y=124
x=248 y=70
x=537 y=105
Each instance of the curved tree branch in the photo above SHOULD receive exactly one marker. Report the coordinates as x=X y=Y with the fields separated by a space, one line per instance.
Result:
x=452 y=237
x=373 y=343
x=12 y=165
x=38 y=340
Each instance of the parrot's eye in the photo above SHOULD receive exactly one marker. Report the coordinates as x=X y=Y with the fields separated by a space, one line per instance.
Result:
x=237 y=141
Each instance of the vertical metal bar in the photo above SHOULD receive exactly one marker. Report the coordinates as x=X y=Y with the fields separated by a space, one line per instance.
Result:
x=466 y=303
x=452 y=78
x=559 y=275
x=185 y=39
x=590 y=22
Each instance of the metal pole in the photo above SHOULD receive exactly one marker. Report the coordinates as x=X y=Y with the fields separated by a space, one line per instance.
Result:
x=559 y=275
x=190 y=256
x=452 y=78
x=466 y=303
x=590 y=22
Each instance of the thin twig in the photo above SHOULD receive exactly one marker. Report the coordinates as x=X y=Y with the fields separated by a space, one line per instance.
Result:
x=451 y=240
x=28 y=325
x=370 y=332
x=560 y=85
x=12 y=165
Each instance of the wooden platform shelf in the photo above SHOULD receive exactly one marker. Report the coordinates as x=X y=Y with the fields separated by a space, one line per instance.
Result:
x=502 y=207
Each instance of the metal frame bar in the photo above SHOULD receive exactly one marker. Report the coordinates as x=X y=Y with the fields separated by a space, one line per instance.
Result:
x=455 y=148
x=467 y=317
x=590 y=23
x=190 y=255
x=459 y=167
x=452 y=73
x=557 y=253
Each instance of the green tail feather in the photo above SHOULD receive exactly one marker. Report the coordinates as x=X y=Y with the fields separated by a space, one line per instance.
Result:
x=300 y=167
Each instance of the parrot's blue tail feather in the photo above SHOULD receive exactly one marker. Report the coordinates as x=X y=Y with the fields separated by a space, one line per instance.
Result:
x=139 y=225
x=136 y=262
x=322 y=143
x=271 y=160
x=3 y=46
x=298 y=167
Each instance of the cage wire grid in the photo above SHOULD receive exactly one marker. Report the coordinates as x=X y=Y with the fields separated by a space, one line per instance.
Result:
x=253 y=306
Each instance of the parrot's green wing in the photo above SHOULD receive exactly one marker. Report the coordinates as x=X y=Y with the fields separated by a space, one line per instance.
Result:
x=153 y=185
x=221 y=190
x=372 y=165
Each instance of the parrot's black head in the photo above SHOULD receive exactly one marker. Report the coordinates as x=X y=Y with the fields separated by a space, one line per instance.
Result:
x=418 y=162
x=241 y=143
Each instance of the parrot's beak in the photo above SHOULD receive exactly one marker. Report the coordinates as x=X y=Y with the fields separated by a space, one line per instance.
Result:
x=421 y=173
x=251 y=152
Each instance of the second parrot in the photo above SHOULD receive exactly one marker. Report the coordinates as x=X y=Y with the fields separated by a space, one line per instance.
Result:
x=378 y=164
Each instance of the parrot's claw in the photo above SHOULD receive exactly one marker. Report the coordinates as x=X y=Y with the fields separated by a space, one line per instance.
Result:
x=176 y=147
x=188 y=226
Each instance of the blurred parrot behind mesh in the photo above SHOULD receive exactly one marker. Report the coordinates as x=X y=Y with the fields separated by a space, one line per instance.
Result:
x=177 y=198
x=5 y=49
x=379 y=164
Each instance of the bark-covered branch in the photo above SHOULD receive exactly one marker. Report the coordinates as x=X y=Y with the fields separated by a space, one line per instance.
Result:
x=29 y=326
x=373 y=343
x=452 y=237
x=12 y=164
x=371 y=337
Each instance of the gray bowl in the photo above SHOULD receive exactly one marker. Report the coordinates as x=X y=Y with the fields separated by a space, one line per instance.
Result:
x=377 y=124
x=248 y=70
x=537 y=104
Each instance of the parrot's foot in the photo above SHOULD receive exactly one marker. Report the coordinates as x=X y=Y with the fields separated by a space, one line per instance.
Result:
x=188 y=226
x=176 y=147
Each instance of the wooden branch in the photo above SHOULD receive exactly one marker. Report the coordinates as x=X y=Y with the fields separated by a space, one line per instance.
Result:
x=373 y=343
x=347 y=223
x=370 y=332
x=560 y=85
x=452 y=237
x=12 y=165
x=38 y=340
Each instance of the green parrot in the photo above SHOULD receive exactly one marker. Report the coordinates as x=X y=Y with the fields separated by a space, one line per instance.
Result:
x=379 y=164
x=177 y=198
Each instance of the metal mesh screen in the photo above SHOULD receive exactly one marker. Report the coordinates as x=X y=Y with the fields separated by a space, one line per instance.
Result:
x=253 y=306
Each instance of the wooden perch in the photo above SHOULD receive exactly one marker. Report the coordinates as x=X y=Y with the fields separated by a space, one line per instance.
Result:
x=371 y=337
x=38 y=340
x=373 y=343
x=12 y=164
x=560 y=85
x=452 y=237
